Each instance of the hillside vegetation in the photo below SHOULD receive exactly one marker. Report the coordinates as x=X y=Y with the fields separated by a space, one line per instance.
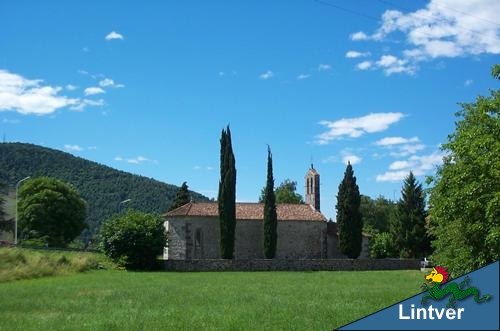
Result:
x=21 y=263
x=102 y=187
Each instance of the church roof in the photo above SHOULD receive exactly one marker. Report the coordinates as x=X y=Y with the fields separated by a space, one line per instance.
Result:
x=250 y=211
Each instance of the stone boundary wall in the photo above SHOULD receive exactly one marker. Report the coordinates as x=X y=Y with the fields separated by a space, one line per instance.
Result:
x=291 y=265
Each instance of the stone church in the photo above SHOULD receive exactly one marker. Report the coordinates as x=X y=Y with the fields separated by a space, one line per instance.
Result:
x=303 y=231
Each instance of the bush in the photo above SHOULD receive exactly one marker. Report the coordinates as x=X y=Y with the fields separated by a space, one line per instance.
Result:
x=134 y=240
x=382 y=246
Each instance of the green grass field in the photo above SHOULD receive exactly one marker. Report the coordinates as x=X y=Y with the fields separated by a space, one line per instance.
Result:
x=121 y=300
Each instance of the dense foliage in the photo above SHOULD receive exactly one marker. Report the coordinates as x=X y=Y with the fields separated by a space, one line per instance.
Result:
x=382 y=246
x=270 y=216
x=349 y=221
x=227 y=195
x=50 y=210
x=285 y=193
x=100 y=186
x=134 y=240
x=465 y=199
x=5 y=223
x=376 y=213
x=181 y=197
x=21 y=263
x=408 y=227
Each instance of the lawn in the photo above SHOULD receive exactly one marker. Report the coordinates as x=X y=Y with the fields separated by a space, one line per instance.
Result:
x=122 y=300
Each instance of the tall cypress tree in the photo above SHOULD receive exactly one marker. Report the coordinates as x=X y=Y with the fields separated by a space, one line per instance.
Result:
x=408 y=227
x=227 y=195
x=270 y=216
x=181 y=197
x=349 y=221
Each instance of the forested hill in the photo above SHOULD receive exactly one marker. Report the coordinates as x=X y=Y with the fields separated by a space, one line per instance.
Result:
x=102 y=187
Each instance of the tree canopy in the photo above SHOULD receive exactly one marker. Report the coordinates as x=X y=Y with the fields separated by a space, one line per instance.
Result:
x=5 y=223
x=465 y=199
x=50 y=210
x=270 y=215
x=181 y=197
x=408 y=226
x=350 y=223
x=134 y=239
x=285 y=193
x=100 y=186
x=227 y=195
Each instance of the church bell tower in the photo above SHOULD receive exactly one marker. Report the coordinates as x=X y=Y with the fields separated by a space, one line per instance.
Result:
x=312 y=188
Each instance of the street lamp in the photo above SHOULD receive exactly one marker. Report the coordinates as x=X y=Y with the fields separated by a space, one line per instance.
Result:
x=123 y=202
x=17 y=189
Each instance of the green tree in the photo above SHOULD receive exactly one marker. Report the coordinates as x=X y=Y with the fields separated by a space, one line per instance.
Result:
x=50 y=210
x=270 y=216
x=285 y=193
x=350 y=224
x=408 y=227
x=465 y=199
x=134 y=239
x=181 y=197
x=382 y=246
x=376 y=214
x=227 y=195
x=5 y=223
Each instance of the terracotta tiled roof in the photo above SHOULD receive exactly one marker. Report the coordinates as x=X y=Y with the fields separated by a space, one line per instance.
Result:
x=250 y=211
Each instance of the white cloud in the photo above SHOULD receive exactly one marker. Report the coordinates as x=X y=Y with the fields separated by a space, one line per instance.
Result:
x=391 y=65
x=303 y=76
x=403 y=146
x=113 y=35
x=360 y=35
x=29 y=96
x=441 y=29
x=82 y=104
x=364 y=65
x=355 y=127
x=207 y=168
x=70 y=87
x=353 y=159
x=355 y=54
x=392 y=176
x=136 y=160
x=106 y=82
x=93 y=90
x=324 y=67
x=267 y=75
x=397 y=165
x=419 y=165
x=387 y=141
x=73 y=148
x=468 y=82
x=408 y=149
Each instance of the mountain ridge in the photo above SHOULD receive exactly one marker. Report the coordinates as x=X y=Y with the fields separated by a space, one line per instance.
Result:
x=101 y=186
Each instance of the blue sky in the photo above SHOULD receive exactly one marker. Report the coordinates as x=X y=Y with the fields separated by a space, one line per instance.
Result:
x=147 y=87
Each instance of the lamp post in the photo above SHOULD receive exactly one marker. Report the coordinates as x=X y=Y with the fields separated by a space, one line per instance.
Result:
x=123 y=202
x=17 y=189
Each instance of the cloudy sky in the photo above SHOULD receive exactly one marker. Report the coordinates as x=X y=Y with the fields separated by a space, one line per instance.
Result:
x=147 y=87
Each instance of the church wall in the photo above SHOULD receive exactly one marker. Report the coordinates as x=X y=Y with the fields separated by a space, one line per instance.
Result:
x=333 y=250
x=198 y=238
x=301 y=240
x=192 y=238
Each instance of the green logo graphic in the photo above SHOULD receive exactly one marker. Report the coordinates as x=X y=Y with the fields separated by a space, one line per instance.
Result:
x=439 y=276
